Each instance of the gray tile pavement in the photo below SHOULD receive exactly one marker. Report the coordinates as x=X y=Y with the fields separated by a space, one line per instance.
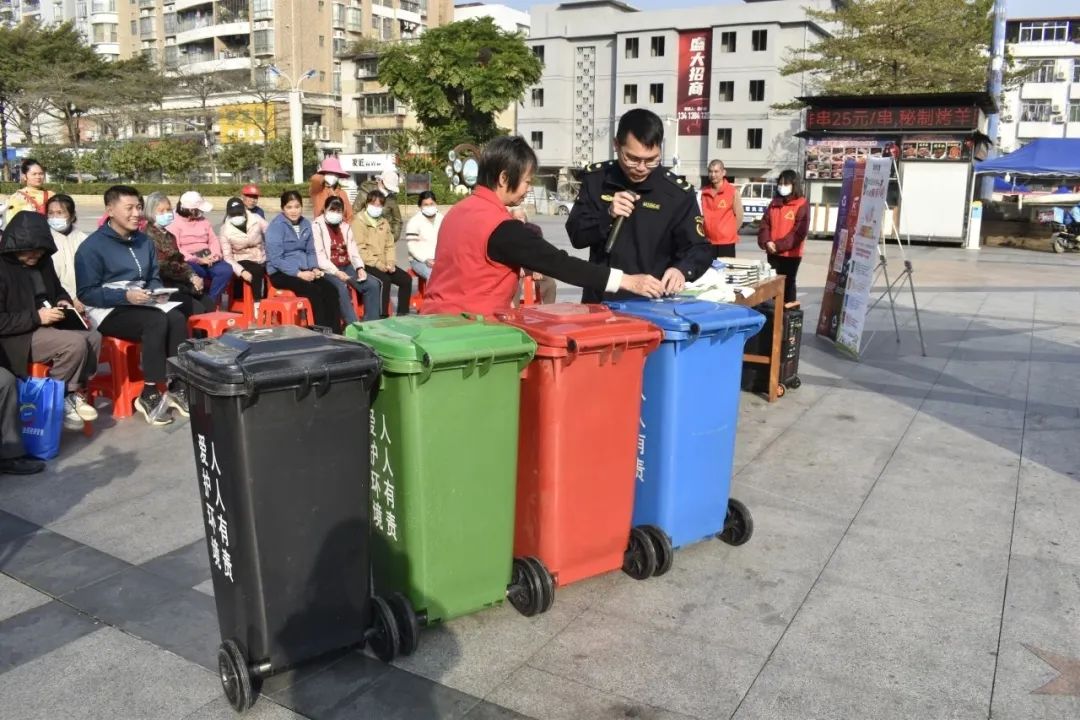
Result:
x=914 y=554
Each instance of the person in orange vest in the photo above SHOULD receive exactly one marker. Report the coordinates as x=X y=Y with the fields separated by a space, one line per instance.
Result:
x=722 y=209
x=783 y=231
x=482 y=249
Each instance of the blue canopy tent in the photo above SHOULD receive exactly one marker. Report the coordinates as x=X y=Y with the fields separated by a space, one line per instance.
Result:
x=1045 y=157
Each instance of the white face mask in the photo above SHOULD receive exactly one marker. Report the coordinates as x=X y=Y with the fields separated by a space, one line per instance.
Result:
x=58 y=224
x=331 y=180
x=334 y=218
x=374 y=210
x=783 y=190
x=429 y=210
x=237 y=220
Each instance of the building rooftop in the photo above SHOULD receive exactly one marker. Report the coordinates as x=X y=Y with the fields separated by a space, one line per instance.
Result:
x=1041 y=9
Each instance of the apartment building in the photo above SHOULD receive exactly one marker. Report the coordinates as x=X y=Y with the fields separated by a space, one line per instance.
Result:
x=712 y=73
x=1046 y=104
x=99 y=21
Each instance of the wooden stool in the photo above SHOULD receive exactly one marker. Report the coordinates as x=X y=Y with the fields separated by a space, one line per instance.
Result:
x=124 y=381
x=215 y=324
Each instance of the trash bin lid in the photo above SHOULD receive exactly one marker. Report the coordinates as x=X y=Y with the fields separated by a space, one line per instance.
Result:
x=272 y=358
x=421 y=343
x=683 y=318
x=567 y=328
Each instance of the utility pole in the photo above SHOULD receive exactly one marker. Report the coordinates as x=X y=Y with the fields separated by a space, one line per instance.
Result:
x=994 y=85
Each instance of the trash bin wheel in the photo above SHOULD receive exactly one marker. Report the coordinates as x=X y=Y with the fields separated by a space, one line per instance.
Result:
x=407 y=622
x=738 y=525
x=547 y=583
x=794 y=382
x=639 y=560
x=780 y=390
x=383 y=637
x=235 y=676
x=665 y=553
x=526 y=589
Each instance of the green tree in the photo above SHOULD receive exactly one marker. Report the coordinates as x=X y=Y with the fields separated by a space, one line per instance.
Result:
x=241 y=159
x=898 y=46
x=133 y=159
x=176 y=158
x=278 y=156
x=457 y=77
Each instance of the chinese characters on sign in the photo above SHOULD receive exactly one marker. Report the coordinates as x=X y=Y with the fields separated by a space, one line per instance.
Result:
x=217 y=523
x=639 y=472
x=825 y=158
x=695 y=60
x=930 y=118
x=383 y=494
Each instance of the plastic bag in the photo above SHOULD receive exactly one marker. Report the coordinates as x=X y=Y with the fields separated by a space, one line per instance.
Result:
x=41 y=411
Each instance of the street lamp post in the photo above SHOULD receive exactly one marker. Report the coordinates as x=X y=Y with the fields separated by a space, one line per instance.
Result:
x=296 y=120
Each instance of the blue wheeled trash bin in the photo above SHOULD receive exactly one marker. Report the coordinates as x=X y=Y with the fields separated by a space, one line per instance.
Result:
x=689 y=413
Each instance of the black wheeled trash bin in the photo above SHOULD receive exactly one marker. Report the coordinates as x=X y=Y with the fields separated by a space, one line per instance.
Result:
x=282 y=475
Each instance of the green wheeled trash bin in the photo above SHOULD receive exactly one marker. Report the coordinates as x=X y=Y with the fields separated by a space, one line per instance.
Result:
x=273 y=412
x=444 y=433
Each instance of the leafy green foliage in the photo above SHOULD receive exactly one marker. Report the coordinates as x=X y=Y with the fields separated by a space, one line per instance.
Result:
x=457 y=77
x=278 y=156
x=57 y=160
x=241 y=159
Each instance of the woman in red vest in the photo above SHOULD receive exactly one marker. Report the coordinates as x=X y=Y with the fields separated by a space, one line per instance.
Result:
x=722 y=210
x=783 y=231
x=482 y=249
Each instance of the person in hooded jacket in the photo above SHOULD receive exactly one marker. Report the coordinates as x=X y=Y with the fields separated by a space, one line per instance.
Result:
x=116 y=271
x=32 y=303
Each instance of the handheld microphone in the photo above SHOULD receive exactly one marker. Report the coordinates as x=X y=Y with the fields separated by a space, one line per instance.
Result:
x=614 y=235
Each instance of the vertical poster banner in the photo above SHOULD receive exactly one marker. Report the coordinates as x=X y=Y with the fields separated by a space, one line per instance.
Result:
x=692 y=103
x=832 y=302
x=864 y=254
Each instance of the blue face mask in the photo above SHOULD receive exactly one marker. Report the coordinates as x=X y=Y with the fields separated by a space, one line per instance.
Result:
x=164 y=219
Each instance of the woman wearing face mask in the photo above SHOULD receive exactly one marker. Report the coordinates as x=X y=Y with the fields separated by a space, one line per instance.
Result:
x=422 y=234
x=60 y=211
x=196 y=239
x=293 y=264
x=376 y=243
x=33 y=195
x=340 y=259
x=172 y=267
x=243 y=244
x=783 y=231
x=332 y=174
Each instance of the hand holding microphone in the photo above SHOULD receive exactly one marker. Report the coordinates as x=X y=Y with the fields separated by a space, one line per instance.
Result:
x=622 y=205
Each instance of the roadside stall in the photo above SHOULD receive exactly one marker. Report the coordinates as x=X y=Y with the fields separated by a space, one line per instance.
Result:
x=934 y=140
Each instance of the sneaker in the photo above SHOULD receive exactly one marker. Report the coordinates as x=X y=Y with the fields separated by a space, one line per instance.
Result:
x=147 y=403
x=178 y=400
x=86 y=411
x=72 y=419
x=21 y=466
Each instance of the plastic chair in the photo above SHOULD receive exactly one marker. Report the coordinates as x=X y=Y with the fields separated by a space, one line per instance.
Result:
x=124 y=381
x=244 y=305
x=215 y=324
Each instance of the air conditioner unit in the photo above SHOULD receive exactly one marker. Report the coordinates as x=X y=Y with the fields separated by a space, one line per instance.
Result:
x=1059 y=77
x=1056 y=110
x=1058 y=120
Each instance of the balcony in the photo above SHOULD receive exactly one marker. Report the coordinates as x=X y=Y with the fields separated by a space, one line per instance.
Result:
x=150 y=54
x=263 y=9
x=147 y=3
x=205 y=30
x=1039 y=130
x=185 y=4
x=206 y=62
x=264 y=43
x=147 y=28
x=1040 y=90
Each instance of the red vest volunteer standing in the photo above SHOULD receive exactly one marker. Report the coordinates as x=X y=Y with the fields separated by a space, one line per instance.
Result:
x=464 y=278
x=718 y=208
x=782 y=217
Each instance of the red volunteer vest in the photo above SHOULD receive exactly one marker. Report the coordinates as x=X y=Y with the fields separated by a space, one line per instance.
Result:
x=718 y=208
x=782 y=221
x=464 y=278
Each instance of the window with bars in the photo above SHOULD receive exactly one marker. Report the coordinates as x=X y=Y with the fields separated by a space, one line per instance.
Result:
x=538 y=97
x=723 y=138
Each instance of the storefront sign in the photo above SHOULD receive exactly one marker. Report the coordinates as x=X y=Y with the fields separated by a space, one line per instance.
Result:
x=695 y=59
x=825 y=158
x=366 y=162
x=903 y=118
x=934 y=149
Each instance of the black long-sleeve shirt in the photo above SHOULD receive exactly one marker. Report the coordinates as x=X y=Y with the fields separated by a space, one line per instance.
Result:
x=517 y=246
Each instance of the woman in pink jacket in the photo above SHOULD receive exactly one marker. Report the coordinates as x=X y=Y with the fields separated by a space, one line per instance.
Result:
x=243 y=243
x=340 y=261
x=196 y=240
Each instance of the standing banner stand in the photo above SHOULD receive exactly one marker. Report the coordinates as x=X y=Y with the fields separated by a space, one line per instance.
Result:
x=859 y=258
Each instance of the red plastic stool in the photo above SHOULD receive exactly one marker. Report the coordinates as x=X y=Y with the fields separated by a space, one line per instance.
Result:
x=41 y=370
x=124 y=381
x=528 y=291
x=283 y=310
x=215 y=324
x=244 y=305
x=416 y=301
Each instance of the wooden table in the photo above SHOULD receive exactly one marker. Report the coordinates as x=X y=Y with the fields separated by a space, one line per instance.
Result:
x=771 y=289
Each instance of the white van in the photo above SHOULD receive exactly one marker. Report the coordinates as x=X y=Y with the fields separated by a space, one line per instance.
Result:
x=756 y=197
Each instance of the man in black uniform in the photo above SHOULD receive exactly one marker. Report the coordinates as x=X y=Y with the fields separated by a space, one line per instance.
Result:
x=662 y=230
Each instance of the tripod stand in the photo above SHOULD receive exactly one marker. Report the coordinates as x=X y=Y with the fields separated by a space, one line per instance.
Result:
x=905 y=277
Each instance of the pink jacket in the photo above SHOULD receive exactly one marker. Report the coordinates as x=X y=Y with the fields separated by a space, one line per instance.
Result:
x=193 y=236
x=249 y=244
x=322 y=245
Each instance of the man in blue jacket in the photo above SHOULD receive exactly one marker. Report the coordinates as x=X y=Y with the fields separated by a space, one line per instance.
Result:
x=116 y=277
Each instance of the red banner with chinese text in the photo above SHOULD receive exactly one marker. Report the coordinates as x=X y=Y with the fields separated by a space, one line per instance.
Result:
x=896 y=118
x=692 y=103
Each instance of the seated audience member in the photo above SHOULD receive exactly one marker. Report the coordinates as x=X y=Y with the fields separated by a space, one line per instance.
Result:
x=375 y=240
x=117 y=273
x=61 y=213
x=293 y=264
x=13 y=458
x=33 y=306
x=422 y=234
x=243 y=242
x=172 y=267
x=196 y=239
x=340 y=260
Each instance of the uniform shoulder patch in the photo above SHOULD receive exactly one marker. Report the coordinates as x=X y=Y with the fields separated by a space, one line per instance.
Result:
x=678 y=181
x=593 y=167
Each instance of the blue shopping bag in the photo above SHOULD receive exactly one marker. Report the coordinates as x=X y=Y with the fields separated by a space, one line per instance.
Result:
x=41 y=411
